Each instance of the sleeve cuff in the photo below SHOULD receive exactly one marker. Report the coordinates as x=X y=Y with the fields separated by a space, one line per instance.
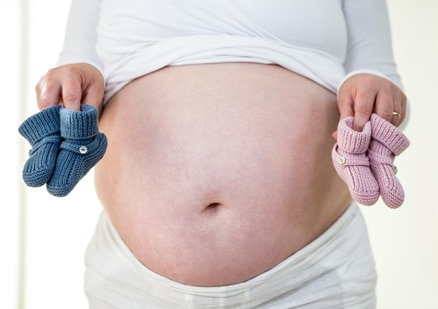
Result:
x=65 y=59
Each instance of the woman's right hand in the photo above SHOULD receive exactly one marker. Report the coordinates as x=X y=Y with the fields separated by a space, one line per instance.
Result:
x=71 y=85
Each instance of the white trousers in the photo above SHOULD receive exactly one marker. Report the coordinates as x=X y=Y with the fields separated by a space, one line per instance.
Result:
x=334 y=271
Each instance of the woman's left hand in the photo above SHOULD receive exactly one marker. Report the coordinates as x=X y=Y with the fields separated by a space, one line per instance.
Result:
x=364 y=94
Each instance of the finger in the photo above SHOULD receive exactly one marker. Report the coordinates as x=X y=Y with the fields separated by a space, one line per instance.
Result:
x=72 y=94
x=402 y=103
x=363 y=107
x=47 y=93
x=387 y=108
x=94 y=95
x=392 y=107
x=345 y=103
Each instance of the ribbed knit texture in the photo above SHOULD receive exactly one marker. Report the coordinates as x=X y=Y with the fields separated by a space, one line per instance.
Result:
x=42 y=132
x=386 y=142
x=83 y=146
x=387 y=134
x=352 y=164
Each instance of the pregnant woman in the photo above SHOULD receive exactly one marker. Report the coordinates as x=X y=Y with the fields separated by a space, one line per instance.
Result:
x=217 y=185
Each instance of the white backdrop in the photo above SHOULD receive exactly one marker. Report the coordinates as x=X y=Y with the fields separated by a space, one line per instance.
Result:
x=405 y=241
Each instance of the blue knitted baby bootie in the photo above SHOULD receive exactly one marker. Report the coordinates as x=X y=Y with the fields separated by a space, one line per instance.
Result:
x=42 y=132
x=83 y=146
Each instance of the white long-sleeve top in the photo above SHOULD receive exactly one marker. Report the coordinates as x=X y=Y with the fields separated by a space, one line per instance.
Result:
x=324 y=40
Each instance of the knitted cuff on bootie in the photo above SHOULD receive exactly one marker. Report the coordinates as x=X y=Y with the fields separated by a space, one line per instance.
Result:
x=42 y=132
x=82 y=148
x=386 y=142
x=352 y=164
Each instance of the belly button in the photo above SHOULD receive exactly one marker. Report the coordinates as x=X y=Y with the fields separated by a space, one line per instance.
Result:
x=212 y=206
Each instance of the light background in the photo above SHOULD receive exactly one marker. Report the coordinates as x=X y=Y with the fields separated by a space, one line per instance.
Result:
x=405 y=241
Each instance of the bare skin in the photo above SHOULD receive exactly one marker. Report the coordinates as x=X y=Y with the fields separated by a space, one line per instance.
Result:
x=216 y=173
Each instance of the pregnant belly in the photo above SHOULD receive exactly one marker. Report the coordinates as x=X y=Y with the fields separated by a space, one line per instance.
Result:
x=216 y=173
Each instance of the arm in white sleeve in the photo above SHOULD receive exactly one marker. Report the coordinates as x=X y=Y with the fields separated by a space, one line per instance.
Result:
x=369 y=40
x=81 y=34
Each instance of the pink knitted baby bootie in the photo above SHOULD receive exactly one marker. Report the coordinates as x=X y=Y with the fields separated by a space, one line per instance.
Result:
x=386 y=143
x=352 y=164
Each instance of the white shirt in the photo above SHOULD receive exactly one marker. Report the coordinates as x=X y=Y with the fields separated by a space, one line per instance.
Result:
x=324 y=40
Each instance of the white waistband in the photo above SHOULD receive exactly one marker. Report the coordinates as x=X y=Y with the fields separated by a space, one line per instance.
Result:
x=335 y=270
